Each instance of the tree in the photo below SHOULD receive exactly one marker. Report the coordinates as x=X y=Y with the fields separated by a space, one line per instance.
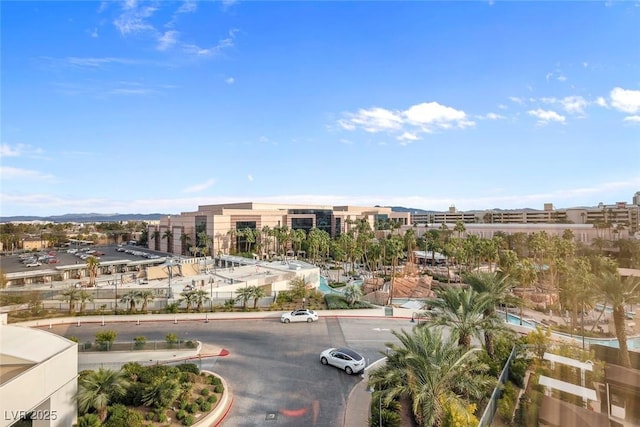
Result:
x=393 y=250
x=459 y=228
x=200 y=297
x=497 y=291
x=298 y=287
x=84 y=296
x=188 y=298
x=463 y=311
x=619 y=292
x=169 y=236
x=156 y=239
x=184 y=241
x=161 y=393
x=92 y=267
x=257 y=292
x=145 y=296
x=98 y=389
x=352 y=292
x=71 y=295
x=432 y=372
x=131 y=298
x=244 y=295
x=105 y=339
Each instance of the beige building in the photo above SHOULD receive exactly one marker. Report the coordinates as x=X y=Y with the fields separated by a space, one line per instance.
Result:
x=220 y=222
x=38 y=377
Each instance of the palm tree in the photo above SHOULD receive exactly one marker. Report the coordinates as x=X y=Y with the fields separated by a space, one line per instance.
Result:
x=99 y=388
x=92 y=267
x=161 y=393
x=352 y=292
x=498 y=291
x=463 y=311
x=393 y=249
x=145 y=296
x=130 y=298
x=257 y=292
x=200 y=297
x=84 y=296
x=188 y=298
x=244 y=295
x=184 y=241
x=169 y=236
x=71 y=295
x=156 y=239
x=433 y=373
x=619 y=292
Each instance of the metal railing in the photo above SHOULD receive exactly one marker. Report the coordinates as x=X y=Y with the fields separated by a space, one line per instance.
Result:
x=492 y=405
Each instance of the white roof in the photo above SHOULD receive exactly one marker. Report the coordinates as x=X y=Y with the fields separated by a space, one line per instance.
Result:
x=585 y=366
x=31 y=344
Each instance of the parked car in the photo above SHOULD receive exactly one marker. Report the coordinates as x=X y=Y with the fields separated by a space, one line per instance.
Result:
x=33 y=264
x=301 y=315
x=343 y=358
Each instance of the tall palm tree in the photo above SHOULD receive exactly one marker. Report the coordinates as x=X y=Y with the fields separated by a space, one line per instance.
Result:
x=433 y=373
x=244 y=295
x=619 y=292
x=156 y=239
x=169 y=236
x=188 y=298
x=200 y=297
x=498 y=291
x=99 y=388
x=92 y=266
x=462 y=310
x=184 y=241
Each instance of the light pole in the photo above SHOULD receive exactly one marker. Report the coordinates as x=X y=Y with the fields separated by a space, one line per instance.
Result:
x=211 y=294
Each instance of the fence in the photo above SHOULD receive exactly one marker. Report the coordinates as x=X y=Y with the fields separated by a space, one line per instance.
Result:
x=136 y=346
x=492 y=405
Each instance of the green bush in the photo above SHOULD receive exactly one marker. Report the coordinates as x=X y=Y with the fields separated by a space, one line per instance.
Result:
x=139 y=342
x=205 y=392
x=205 y=406
x=191 y=344
x=218 y=388
x=192 y=408
x=174 y=307
x=74 y=339
x=150 y=416
x=188 y=420
x=284 y=297
x=105 y=339
x=189 y=367
x=89 y=420
x=120 y=415
x=213 y=380
x=212 y=399
x=338 y=302
x=181 y=414
x=200 y=400
x=161 y=417
x=184 y=404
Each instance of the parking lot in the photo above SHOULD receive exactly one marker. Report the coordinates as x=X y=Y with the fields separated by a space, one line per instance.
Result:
x=70 y=256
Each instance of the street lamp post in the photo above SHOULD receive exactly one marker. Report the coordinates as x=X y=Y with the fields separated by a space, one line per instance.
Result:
x=115 y=306
x=211 y=294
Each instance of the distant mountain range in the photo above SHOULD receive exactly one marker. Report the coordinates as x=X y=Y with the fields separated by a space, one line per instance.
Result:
x=98 y=217
x=86 y=217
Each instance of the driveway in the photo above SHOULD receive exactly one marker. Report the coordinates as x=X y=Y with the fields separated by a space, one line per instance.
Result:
x=273 y=368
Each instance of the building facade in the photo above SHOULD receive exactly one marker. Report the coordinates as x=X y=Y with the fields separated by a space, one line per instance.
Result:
x=220 y=223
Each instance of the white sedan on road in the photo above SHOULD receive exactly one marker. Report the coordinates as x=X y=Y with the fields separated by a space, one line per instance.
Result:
x=344 y=359
x=301 y=315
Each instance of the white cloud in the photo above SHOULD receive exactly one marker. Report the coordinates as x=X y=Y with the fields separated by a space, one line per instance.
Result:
x=133 y=18
x=517 y=100
x=187 y=7
x=546 y=116
x=223 y=44
x=229 y=80
x=8 y=172
x=625 y=100
x=600 y=101
x=632 y=119
x=561 y=78
x=502 y=107
x=408 y=136
x=492 y=116
x=250 y=178
x=167 y=40
x=97 y=62
x=574 y=104
x=372 y=120
x=19 y=150
x=200 y=187
x=420 y=118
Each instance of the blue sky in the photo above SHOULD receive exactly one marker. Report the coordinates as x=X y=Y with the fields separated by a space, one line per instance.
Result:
x=141 y=107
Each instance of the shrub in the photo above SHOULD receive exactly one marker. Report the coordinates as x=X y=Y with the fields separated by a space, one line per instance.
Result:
x=199 y=400
x=192 y=408
x=184 y=404
x=173 y=307
x=205 y=392
x=171 y=339
x=191 y=344
x=188 y=420
x=89 y=420
x=189 y=367
x=218 y=388
x=87 y=345
x=120 y=415
x=161 y=417
x=205 y=406
x=105 y=339
x=74 y=339
x=212 y=399
x=181 y=414
x=150 y=416
x=213 y=380
x=139 y=342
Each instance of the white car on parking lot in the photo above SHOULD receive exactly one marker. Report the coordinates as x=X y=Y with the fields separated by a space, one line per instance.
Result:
x=301 y=315
x=33 y=264
x=343 y=358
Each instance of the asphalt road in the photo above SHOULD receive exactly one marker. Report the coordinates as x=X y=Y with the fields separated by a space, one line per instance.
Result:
x=273 y=368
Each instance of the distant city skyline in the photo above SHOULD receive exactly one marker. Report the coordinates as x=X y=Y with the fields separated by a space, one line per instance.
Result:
x=159 y=107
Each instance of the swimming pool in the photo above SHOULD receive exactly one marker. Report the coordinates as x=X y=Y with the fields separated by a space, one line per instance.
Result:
x=515 y=320
x=326 y=289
